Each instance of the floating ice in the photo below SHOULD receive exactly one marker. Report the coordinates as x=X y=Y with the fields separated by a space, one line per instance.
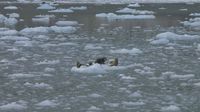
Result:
x=98 y=68
x=135 y=12
x=34 y=31
x=114 y=16
x=167 y=37
x=62 y=11
x=66 y=29
x=39 y=85
x=133 y=51
x=48 y=62
x=24 y=43
x=8 y=32
x=13 y=15
x=13 y=106
x=193 y=23
x=47 y=103
x=78 y=8
x=45 y=7
x=92 y=47
x=133 y=5
x=20 y=75
x=14 y=38
x=171 y=108
x=195 y=14
x=45 y=20
x=66 y=23
x=182 y=77
x=10 y=8
x=8 y=21
x=93 y=108
x=133 y=103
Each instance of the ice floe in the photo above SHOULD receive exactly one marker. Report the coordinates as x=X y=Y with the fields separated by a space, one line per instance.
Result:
x=167 y=37
x=133 y=5
x=10 y=8
x=8 y=21
x=112 y=16
x=8 y=32
x=13 y=106
x=135 y=12
x=14 y=15
x=62 y=11
x=171 y=108
x=66 y=23
x=98 y=68
x=45 y=7
x=21 y=75
x=78 y=8
x=47 y=103
x=38 y=85
x=14 y=38
x=133 y=51
x=193 y=23
x=195 y=14
x=92 y=47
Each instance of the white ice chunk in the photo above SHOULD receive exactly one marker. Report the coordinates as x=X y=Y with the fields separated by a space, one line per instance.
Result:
x=133 y=51
x=112 y=16
x=62 y=11
x=8 y=33
x=34 y=31
x=20 y=75
x=14 y=15
x=47 y=103
x=135 y=12
x=182 y=77
x=66 y=23
x=14 y=38
x=13 y=106
x=92 y=47
x=10 y=8
x=98 y=68
x=66 y=29
x=45 y=7
x=10 y=21
x=39 y=85
x=78 y=8
x=171 y=108
x=132 y=5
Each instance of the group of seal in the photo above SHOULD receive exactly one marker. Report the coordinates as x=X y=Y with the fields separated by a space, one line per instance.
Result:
x=102 y=60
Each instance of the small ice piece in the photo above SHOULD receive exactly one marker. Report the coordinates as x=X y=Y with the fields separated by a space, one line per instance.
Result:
x=66 y=29
x=45 y=20
x=93 y=109
x=10 y=8
x=39 y=85
x=136 y=94
x=14 y=38
x=20 y=75
x=130 y=104
x=133 y=51
x=45 y=7
x=13 y=15
x=182 y=77
x=48 y=62
x=95 y=95
x=66 y=23
x=197 y=84
x=133 y=5
x=47 y=103
x=171 y=108
x=24 y=43
x=10 y=21
x=163 y=41
x=61 y=11
x=14 y=106
x=78 y=8
x=92 y=47
x=195 y=14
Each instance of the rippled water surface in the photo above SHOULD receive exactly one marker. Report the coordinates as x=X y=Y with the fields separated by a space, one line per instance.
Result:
x=41 y=72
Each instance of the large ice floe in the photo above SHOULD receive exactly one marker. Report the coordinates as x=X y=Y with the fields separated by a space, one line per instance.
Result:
x=169 y=37
x=66 y=23
x=112 y=16
x=43 y=19
x=99 y=68
x=78 y=8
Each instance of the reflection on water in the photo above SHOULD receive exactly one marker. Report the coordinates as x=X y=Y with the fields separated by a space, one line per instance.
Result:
x=38 y=76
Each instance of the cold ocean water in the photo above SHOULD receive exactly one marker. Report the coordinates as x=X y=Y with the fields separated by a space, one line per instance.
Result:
x=159 y=59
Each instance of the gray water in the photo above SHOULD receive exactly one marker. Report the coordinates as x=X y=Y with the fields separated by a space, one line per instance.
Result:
x=149 y=87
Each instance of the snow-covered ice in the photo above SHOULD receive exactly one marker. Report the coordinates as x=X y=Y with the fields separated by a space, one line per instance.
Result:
x=78 y=8
x=135 y=12
x=47 y=103
x=13 y=106
x=171 y=108
x=10 y=8
x=61 y=11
